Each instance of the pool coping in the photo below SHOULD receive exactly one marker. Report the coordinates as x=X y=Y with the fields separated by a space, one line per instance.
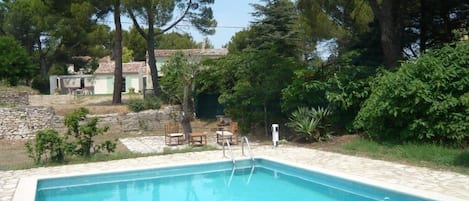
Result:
x=26 y=188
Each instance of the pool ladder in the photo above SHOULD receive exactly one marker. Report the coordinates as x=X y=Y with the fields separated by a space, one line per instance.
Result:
x=244 y=139
x=227 y=142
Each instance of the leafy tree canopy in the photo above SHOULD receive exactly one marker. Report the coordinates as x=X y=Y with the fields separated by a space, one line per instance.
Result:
x=15 y=64
x=427 y=99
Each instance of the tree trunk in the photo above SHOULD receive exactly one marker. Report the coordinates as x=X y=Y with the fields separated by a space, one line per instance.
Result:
x=423 y=25
x=390 y=20
x=117 y=96
x=186 y=110
x=152 y=60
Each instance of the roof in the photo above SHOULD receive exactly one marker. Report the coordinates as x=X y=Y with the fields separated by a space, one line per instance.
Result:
x=131 y=67
x=193 y=52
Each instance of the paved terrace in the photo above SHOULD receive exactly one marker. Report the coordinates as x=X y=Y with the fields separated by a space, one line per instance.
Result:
x=392 y=174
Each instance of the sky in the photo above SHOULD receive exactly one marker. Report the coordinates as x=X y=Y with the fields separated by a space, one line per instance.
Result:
x=231 y=15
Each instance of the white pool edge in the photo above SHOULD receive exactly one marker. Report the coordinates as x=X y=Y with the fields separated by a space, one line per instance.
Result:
x=26 y=188
x=379 y=184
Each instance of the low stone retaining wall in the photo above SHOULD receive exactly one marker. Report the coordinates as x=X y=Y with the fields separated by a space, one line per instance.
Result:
x=149 y=120
x=18 y=123
x=10 y=99
x=24 y=122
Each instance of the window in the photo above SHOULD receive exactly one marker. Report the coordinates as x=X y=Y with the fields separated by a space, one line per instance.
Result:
x=123 y=85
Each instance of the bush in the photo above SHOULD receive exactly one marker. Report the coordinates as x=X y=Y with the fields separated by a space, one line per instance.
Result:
x=136 y=105
x=427 y=99
x=83 y=133
x=149 y=103
x=41 y=84
x=47 y=144
x=77 y=141
x=309 y=123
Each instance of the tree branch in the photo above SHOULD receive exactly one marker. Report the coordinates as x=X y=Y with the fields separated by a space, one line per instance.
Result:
x=178 y=20
x=137 y=26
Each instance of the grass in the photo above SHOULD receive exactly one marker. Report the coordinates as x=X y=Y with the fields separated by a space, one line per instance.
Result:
x=98 y=157
x=426 y=155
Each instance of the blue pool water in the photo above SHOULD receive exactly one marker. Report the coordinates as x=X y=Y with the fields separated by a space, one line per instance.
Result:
x=267 y=180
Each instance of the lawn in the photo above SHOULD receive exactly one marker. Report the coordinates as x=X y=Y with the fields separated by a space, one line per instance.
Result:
x=425 y=155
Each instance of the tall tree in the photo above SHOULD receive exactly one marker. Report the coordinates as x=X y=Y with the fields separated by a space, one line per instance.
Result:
x=339 y=20
x=259 y=65
x=117 y=93
x=15 y=64
x=29 y=21
x=273 y=26
x=158 y=16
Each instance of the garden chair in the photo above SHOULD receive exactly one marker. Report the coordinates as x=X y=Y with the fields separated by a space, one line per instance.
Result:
x=172 y=135
x=230 y=134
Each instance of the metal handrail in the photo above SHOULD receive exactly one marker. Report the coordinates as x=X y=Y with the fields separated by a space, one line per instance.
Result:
x=245 y=139
x=231 y=151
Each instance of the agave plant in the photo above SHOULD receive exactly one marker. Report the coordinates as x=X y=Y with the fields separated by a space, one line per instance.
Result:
x=309 y=123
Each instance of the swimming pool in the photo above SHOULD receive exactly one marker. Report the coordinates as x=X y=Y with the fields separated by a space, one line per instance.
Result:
x=266 y=180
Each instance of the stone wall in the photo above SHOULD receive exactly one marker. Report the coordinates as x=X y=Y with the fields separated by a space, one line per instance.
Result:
x=18 y=123
x=149 y=120
x=10 y=99
x=24 y=122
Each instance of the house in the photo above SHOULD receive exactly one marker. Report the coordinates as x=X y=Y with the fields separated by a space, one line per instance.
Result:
x=71 y=84
x=136 y=75
x=132 y=77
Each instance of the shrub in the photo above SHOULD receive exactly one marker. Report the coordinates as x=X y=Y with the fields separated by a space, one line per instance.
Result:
x=150 y=102
x=78 y=139
x=136 y=105
x=427 y=99
x=41 y=84
x=83 y=133
x=309 y=123
x=47 y=144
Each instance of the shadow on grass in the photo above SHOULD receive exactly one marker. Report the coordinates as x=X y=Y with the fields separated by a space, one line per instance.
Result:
x=462 y=159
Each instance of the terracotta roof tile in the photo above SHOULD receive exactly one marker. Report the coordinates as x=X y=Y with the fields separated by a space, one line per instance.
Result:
x=131 y=67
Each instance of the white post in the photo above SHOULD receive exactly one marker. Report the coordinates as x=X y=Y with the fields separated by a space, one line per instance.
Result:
x=275 y=134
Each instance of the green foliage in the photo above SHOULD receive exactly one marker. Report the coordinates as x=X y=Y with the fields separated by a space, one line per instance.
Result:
x=308 y=88
x=82 y=133
x=127 y=55
x=149 y=103
x=135 y=42
x=47 y=144
x=349 y=86
x=179 y=72
x=176 y=41
x=136 y=105
x=15 y=64
x=41 y=84
x=425 y=100
x=273 y=27
x=310 y=123
x=251 y=82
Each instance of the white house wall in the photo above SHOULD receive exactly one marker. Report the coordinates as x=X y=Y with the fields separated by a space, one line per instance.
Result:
x=103 y=84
